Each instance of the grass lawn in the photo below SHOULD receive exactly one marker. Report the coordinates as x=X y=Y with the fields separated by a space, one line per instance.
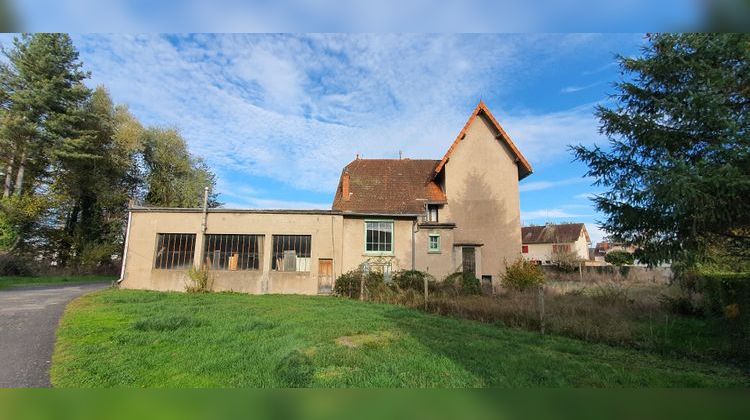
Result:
x=8 y=282
x=152 y=339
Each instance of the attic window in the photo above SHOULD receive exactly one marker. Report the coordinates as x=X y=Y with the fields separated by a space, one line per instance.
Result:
x=432 y=213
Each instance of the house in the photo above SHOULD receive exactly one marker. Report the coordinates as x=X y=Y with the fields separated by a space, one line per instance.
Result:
x=605 y=247
x=545 y=243
x=461 y=212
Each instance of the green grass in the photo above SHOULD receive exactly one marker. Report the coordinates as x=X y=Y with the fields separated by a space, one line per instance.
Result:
x=9 y=282
x=152 y=339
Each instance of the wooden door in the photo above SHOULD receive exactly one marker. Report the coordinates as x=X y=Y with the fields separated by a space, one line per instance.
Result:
x=325 y=275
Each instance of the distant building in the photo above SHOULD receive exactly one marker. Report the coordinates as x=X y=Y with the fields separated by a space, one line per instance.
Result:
x=605 y=247
x=544 y=243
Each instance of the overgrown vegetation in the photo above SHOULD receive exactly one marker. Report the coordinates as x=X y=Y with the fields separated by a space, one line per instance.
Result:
x=15 y=281
x=200 y=279
x=70 y=161
x=522 y=275
x=153 y=339
x=619 y=258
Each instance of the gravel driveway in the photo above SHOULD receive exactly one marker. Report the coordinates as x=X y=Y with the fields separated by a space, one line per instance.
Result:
x=28 y=320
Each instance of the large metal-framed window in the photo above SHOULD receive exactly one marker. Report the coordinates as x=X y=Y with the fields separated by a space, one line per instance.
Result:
x=291 y=253
x=174 y=251
x=379 y=236
x=233 y=252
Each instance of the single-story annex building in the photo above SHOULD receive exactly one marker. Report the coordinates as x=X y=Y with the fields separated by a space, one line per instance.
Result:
x=459 y=213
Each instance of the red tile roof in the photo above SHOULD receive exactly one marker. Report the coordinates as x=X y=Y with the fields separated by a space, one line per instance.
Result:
x=548 y=234
x=389 y=186
x=524 y=167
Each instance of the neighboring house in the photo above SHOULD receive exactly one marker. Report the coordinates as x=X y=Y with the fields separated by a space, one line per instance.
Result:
x=544 y=243
x=461 y=212
x=605 y=247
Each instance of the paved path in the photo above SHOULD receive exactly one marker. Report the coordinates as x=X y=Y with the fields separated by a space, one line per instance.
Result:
x=28 y=319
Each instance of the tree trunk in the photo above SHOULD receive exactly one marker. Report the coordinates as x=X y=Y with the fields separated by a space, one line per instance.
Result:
x=8 y=178
x=19 y=176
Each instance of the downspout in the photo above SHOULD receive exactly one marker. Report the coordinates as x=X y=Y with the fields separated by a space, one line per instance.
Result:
x=413 y=245
x=125 y=251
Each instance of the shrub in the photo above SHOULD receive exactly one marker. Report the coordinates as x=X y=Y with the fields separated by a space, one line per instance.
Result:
x=458 y=284
x=16 y=265
x=412 y=280
x=349 y=284
x=567 y=262
x=200 y=280
x=619 y=258
x=522 y=275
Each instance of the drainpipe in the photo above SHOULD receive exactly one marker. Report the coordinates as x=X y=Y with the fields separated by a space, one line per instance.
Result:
x=125 y=251
x=413 y=245
x=205 y=211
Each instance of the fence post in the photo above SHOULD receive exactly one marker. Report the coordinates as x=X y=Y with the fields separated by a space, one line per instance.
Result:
x=540 y=306
x=362 y=288
x=580 y=270
x=425 y=292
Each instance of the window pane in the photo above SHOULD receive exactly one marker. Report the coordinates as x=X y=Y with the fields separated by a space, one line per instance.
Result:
x=378 y=236
x=233 y=252
x=291 y=252
x=174 y=250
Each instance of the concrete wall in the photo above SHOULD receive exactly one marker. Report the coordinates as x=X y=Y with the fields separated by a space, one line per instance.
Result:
x=481 y=183
x=139 y=273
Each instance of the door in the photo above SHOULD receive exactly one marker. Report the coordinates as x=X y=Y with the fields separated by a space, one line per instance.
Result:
x=468 y=260
x=325 y=275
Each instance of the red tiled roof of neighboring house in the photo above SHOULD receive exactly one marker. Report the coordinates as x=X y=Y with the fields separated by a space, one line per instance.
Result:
x=388 y=186
x=524 y=167
x=548 y=234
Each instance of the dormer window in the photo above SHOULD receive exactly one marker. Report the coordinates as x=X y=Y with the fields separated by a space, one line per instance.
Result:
x=432 y=213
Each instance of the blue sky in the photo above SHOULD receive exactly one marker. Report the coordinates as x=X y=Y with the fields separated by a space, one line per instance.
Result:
x=278 y=116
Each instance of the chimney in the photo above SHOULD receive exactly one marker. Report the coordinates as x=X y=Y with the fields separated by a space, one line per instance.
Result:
x=345 y=186
x=357 y=156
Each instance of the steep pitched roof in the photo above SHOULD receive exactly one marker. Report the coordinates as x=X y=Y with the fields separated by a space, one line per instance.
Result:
x=388 y=186
x=548 y=234
x=524 y=167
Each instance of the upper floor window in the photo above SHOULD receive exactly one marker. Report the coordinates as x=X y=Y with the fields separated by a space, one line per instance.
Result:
x=233 y=252
x=379 y=236
x=432 y=213
x=174 y=250
x=291 y=252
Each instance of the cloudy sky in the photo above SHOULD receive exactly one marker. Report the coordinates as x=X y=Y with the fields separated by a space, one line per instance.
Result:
x=278 y=116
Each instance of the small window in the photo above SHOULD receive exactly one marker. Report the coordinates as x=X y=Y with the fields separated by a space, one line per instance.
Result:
x=174 y=250
x=233 y=252
x=291 y=253
x=525 y=249
x=379 y=236
x=432 y=213
x=434 y=243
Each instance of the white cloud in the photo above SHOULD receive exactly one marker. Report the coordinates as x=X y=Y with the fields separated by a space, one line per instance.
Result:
x=544 y=138
x=550 y=215
x=543 y=185
x=297 y=108
x=573 y=89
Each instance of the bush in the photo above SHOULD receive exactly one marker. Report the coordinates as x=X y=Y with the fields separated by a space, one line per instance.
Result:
x=567 y=262
x=16 y=265
x=200 y=280
x=412 y=280
x=522 y=275
x=619 y=258
x=349 y=284
x=459 y=284
x=728 y=296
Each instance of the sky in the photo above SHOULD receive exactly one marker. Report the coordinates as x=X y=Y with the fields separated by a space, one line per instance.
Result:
x=278 y=116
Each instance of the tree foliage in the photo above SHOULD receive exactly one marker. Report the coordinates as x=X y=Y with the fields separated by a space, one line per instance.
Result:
x=619 y=258
x=72 y=159
x=677 y=167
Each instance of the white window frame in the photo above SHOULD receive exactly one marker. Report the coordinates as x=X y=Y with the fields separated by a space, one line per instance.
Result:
x=393 y=234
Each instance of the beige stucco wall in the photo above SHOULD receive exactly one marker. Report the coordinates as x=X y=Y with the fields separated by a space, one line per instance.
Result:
x=354 y=243
x=481 y=183
x=439 y=264
x=543 y=252
x=325 y=229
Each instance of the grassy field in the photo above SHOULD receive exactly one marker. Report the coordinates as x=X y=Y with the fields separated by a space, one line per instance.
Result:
x=9 y=282
x=152 y=339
